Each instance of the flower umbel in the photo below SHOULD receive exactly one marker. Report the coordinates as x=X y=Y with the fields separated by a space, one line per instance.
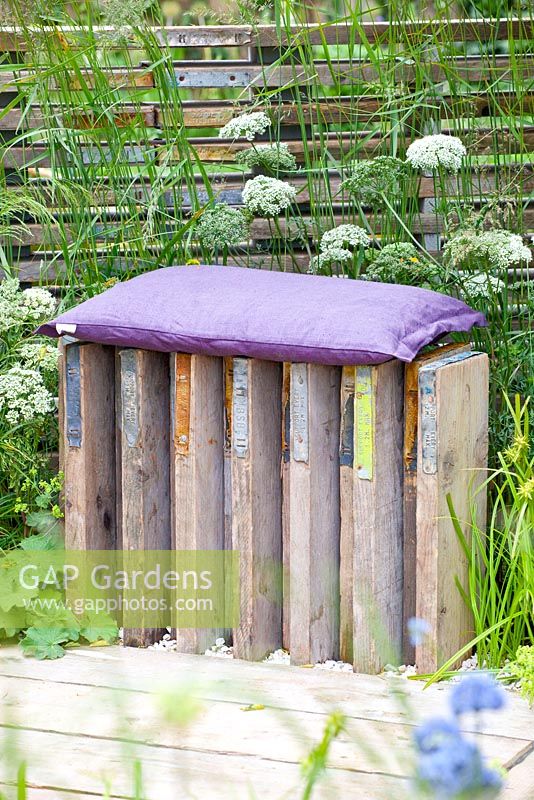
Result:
x=268 y=197
x=39 y=355
x=371 y=180
x=483 y=286
x=23 y=308
x=498 y=249
x=246 y=126
x=221 y=227
x=399 y=262
x=436 y=152
x=23 y=395
x=270 y=157
x=337 y=246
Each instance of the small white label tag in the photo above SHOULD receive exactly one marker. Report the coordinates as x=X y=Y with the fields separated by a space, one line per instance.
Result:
x=65 y=327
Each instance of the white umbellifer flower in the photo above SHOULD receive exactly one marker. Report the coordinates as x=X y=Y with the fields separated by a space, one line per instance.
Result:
x=435 y=152
x=335 y=243
x=483 y=286
x=268 y=197
x=39 y=355
x=247 y=126
x=499 y=248
x=37 y=304
x=10 y=311
x=221 y=227
x=23 y=395
x=351 y=235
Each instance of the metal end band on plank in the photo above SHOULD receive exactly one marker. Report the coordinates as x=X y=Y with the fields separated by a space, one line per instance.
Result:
x=73 y=395
x=428 y=409
x=299 y=412
x=364 y=422
x=240 y=408
x=346 y=438
x=129 y=396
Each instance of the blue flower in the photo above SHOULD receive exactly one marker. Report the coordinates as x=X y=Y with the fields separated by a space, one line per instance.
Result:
x=490 y=778
x=451 y=769
x=476 y=693
x=435 y=733
x=418 y=629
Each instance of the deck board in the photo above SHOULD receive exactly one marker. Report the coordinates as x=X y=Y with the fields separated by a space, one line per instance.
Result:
x=101 y=707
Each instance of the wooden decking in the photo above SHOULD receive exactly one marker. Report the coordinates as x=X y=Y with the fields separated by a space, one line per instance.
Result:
x=81 y=723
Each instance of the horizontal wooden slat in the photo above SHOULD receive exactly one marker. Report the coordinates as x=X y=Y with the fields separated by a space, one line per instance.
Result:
x=482 y=141
x=460 y=30
x=39 y=269
x=36 y=235
x=327 y=110
x=144 y=113
x=228 y=188
x=242 y=74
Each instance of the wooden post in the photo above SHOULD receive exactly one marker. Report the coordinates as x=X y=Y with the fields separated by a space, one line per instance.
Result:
x=257 y=504
x=197 y=468
x=314 y=513
x=451 y=459
x=286 y=555
x=411 y=423
x=146 y=523
x=346 y=479
x=88 y=447
x=376 y=516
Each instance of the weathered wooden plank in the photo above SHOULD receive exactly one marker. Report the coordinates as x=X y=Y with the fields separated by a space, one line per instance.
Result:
x=243 y=74
x=346 y=549
x=327 y=110
x=459 y=30
x=314 y=513
x=286 y=494
x=519 y=783
x=381 y=31
x=411 y=423
x=145 y=421
x=363 y=697
x=360 y=144
x=227 y=187
x=451 y=459
x=48 y=237
x=88 y=448
x=257 y=504
x=95 y=763
x=377 y=515
x=175 y=36
x=281 y=736
x=197 y=476
x=125 y=116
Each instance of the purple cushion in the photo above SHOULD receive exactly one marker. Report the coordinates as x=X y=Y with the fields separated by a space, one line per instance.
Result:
x=272 y=315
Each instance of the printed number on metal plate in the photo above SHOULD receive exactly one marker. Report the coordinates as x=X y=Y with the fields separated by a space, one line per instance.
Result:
x=299 y=411
x=428 y=409
x=240 y=407
x=129 y=397
x=364 y=421
x=73 y=392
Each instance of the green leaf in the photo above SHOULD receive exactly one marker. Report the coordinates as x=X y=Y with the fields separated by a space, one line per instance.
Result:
x=45 y=523
x=42 y=541
x=97 y=626
x=44 y=642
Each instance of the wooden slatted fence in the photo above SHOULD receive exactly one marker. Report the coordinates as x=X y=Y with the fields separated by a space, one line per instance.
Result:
x=214 y=73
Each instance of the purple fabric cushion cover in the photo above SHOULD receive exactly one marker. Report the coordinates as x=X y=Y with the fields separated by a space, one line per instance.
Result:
x=271 y=315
